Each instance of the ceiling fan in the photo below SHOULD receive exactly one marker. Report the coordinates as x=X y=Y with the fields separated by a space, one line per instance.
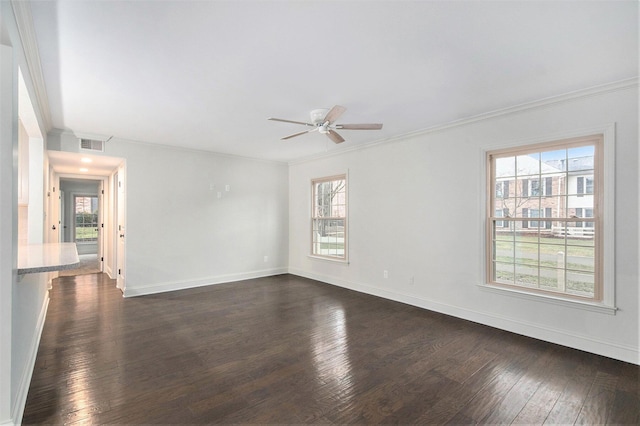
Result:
x=323 y=121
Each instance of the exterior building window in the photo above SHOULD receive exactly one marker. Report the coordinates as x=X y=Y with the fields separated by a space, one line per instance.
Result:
x=584 y=185
x=502 y=189
x=499 y=213
x=546 y=237
x=86 y=219
x=329 y=217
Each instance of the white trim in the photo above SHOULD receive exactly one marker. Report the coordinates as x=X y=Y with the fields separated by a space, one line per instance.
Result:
x=541 y=103
x=132 y=290
x=108 y=271
x=24 y=22
x=586 y=343
x=17 y=410
x=329 y=259
x=547 y=298
x=314 y=181
x=608 y=216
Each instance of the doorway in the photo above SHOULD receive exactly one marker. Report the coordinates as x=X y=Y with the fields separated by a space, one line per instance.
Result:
x=81 y=222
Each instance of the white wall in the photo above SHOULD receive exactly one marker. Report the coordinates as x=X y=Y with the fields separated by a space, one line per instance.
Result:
x=8 y=219
x=22 y=303
x=179 y=234
x=416 y=210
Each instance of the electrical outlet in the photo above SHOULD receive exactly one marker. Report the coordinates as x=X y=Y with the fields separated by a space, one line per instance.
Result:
x=385 y=273
x=266 y=259
x=227 y=188
x=411 y=280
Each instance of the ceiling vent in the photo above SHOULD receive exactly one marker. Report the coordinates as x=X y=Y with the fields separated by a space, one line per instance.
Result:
x=91 y=145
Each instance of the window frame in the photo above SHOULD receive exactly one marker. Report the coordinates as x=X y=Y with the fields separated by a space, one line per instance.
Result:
x=313 y=217
x=95 y=216
x=604 y=286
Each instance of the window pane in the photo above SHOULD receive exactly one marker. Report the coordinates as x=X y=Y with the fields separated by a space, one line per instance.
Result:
x=86 y=212
x=504 y=251
x=552 y=279
x=502 y=189
x=329 y=211
x=504 y=234
x=499 y=213
x=552 y=243
x=536 y=248
x=527 y=275
x=581 y=258
x=553 y=206
x=580 y=283
x=505 y=167
x=581 y=158
x=574 y=201
x=526 y=253
x=528 y=165
x=579 y=234
x=588 y=185
x=554 y=161
x=508 y=206
x=535 y=188
x=328 y=237
x=504 y=273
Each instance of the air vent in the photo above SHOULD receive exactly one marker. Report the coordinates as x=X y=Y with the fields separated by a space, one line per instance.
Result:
x=91 y=145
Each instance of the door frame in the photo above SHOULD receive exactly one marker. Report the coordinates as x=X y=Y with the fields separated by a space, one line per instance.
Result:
x=102 y=218
x=74 y=195
x=119 y=235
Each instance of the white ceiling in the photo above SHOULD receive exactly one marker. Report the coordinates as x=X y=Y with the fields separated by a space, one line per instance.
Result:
x=208 y=74
x=70 y=163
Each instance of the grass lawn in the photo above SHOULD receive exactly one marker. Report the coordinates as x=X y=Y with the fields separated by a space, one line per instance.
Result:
x=548 y=245
x=86 y=233
x=572 y=286
x=528 y=252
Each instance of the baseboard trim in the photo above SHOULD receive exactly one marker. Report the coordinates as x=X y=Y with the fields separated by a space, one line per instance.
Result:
x=109 y=272
x=133 y=290
x=20 y=401
x=560 y=337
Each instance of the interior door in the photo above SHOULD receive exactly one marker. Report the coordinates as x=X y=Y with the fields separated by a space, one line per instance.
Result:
x=120 y=229
x=64 y=232
x=101 y=225
x=53 y=193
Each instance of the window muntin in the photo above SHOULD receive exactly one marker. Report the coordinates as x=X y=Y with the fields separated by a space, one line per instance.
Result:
x=86 y=218
x=329 y=217
x=558 y=251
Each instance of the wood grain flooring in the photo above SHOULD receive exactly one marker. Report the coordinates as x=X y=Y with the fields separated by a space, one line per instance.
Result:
x=290 y=350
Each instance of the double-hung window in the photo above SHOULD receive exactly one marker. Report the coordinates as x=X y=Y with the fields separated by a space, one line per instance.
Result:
x=329 y=217
x=546 y=237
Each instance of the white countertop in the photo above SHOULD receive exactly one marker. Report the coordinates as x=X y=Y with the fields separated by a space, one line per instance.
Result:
x=34 y=258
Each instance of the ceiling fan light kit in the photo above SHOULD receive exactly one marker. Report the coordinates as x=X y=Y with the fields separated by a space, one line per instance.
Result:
x=323 y=121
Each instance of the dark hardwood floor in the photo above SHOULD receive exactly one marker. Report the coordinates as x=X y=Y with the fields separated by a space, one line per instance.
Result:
x=291 y=350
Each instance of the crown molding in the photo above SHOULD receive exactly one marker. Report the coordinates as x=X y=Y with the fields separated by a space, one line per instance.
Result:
x=541 y=103
x=27 y=32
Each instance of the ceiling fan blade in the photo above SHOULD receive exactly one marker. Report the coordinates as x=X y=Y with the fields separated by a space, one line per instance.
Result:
x=335 y=137
x=368 y=126
x=290 y=121
x=298 y=134
x=334 y=113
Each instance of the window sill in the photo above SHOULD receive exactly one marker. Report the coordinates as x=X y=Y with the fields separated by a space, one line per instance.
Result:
x=545 y=298
x=328 y=259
